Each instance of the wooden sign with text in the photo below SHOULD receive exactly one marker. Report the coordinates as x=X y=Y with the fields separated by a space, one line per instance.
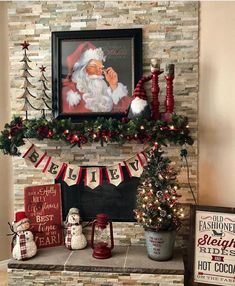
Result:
x=214 y=246
x=43 y=208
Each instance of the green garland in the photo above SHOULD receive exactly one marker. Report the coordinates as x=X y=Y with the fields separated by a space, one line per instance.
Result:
x=99 y=130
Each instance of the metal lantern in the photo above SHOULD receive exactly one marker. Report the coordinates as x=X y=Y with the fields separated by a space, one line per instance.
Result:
x=102 y=237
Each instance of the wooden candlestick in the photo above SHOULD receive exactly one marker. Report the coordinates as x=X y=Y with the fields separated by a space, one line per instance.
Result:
x=169 y=101
x=155 y=70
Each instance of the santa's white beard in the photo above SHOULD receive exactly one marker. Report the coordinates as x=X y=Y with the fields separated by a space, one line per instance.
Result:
x=95 y=93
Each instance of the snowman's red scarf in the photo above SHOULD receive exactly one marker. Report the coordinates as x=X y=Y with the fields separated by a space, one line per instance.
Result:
x=22 y=240
x=69 y=234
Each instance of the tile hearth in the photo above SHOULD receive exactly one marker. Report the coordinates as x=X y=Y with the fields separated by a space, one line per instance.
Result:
x=129 y=265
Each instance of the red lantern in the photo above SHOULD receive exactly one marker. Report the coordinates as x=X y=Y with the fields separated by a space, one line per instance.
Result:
x=101 y=240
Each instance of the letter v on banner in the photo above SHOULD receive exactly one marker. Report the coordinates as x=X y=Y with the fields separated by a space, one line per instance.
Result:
x=93 y=177
x=72 y=175
x=134 y=166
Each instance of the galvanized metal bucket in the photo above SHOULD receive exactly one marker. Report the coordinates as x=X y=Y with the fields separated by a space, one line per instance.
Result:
x=160 y=244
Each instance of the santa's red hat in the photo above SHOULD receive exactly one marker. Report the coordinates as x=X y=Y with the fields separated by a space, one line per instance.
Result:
x=20 y=217
x=82 y=55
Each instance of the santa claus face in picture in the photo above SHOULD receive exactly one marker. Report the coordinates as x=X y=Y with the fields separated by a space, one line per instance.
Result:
x=90 y=81
x=94 y=67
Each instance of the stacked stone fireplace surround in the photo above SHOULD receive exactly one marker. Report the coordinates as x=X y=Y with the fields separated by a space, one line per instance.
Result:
x=170 y=33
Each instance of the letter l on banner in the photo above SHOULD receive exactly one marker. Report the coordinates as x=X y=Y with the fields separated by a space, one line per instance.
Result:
x=72 y=175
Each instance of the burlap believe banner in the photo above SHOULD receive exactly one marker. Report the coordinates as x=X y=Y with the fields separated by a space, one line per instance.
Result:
x=71 y=174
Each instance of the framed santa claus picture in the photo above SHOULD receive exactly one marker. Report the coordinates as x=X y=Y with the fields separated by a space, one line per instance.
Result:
x=94 y=72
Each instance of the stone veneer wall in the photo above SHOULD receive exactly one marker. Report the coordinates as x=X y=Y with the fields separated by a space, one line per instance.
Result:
x=25 y=277
x=170 y=33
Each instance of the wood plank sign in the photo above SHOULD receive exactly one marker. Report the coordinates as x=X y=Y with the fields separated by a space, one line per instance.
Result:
x=43 y=208
x=214 y=246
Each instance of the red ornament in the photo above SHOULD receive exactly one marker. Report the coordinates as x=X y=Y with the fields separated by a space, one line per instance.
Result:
x=74 y=138
x=125 y=120
x=50 y=134
x=25 y=45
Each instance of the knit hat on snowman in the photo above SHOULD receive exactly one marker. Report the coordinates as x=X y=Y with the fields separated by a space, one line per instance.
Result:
x=73 y=211
x=20 y=219
x=84 y=53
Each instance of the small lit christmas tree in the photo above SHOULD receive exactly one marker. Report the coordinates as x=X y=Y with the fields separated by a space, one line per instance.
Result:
x=157 y=206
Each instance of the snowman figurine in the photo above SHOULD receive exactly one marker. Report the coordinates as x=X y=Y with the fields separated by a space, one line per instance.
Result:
x=24 y=244
x=74 y=238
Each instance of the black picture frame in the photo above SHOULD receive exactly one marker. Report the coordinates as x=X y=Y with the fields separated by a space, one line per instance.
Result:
x=209 y=263
x=123 y=51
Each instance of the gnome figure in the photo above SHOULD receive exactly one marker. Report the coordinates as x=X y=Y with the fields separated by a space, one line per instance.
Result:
x=74 y=239
x=24 y=244
x=139 y=106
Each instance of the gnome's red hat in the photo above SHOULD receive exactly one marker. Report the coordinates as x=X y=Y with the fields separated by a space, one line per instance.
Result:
x=82 y=55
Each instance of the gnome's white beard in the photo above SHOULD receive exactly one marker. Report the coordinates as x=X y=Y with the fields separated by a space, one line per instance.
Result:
x=94 y=90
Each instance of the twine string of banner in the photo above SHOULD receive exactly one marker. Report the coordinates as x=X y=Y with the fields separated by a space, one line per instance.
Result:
x=93 y=176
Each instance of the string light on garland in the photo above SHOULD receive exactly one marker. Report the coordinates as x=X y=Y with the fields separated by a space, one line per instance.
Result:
x=108 y=130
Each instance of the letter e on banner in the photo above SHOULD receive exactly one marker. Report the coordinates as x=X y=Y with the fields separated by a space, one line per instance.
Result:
x=114 y=174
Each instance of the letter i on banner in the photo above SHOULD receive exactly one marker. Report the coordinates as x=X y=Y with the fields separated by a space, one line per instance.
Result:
x=134 y=166
x=114 y=174
x=72 y=175
x=93 y=177
x=54 y=168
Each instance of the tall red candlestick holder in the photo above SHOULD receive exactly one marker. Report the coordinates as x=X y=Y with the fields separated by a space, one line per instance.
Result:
x=155 y=70
x=169 y=101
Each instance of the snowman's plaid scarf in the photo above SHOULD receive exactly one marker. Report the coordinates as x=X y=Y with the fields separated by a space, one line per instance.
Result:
x=69 y=235
x=22 y=240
